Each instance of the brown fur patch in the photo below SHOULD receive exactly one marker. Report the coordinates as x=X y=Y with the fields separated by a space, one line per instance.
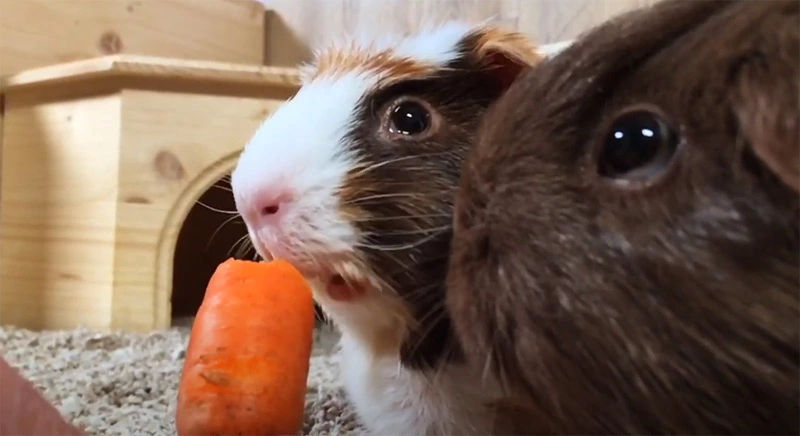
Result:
x=512 y=44
x=384 y=64
x=392 y=68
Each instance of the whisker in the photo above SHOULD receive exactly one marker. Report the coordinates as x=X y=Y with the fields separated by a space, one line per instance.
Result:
x=411 y=169
x=436 y=307
x=438 y=313
x=244 y=239
x=403 y=266
x=223 y=188
x=382 y=197
x=245 y=248
x=408 y=246
x=214 y=209
x=486 y=373
x=433 y=383
x=433 y=380
x=410 y=270
x=413 y=295
x=440 y=229
x=228 y=220
x=402 y=217
x=377 y=165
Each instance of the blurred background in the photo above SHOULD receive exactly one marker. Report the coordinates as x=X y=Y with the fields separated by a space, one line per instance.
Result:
x=114 y=202
x=271 y=32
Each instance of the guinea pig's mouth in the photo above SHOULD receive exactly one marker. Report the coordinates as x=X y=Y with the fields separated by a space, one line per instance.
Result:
x=340 y=289
x=341 y=278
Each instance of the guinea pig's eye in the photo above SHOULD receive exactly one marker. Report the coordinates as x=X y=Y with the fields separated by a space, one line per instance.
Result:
x=638 y=146
x=408 y=118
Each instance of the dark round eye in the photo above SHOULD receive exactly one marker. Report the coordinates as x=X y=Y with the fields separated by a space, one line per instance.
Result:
x=638 y=145
x=409 y=118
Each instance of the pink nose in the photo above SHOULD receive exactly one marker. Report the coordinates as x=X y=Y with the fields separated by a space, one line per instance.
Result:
x=270 y=209
x=265 y=208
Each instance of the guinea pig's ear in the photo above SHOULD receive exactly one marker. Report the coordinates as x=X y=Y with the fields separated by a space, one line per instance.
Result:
x=765 y=96
x=502 y=54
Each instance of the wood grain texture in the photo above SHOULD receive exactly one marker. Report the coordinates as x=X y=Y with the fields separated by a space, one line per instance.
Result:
x=98 y=180
x=57 y=217
x=295 y=25
x=35 y=33
x=152 y=68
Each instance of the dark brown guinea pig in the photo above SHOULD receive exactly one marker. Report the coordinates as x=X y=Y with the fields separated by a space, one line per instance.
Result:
x=626 y=252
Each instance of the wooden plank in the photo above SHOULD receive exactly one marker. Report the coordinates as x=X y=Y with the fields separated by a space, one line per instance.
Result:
x=152 y=68
x=43 y=32
x=57 y=224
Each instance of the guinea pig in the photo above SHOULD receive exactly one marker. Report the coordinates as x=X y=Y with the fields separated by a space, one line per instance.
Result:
x=625 y=255
x=353 y=181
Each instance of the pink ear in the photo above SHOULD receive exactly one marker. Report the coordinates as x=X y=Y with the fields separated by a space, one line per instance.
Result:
x=505 y=54
x=766 y=105
x=765 y=95
x=505 y=68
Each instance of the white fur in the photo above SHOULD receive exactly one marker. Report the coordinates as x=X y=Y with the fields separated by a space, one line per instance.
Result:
x=436 y=45
x=550 y=50
x=300 y=155
x=394 y=401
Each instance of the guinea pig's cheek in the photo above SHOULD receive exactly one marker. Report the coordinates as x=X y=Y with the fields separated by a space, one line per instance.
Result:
x=338 y=290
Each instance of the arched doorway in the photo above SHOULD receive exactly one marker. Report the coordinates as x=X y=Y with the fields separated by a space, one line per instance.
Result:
x=211 y=233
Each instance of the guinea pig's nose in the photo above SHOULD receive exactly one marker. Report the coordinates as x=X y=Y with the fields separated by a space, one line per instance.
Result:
x=268 y=206
x=270 y=209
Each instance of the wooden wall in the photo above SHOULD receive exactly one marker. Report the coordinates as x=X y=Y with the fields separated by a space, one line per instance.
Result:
x=36 y=33
x=297 y=24
x=39 y=32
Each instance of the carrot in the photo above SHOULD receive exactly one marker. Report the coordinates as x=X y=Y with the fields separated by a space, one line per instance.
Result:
x=249 y=353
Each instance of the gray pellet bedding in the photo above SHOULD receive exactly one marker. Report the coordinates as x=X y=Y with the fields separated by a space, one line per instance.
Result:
x=126 y=384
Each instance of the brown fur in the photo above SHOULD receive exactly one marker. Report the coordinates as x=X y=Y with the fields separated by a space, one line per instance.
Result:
x=339 y=62
x=493 y=47
x=402 y=195
x=669 y=306
x=516 y=46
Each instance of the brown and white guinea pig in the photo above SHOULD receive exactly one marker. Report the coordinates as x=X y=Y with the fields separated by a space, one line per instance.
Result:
x=353 y=181
x=625 y=252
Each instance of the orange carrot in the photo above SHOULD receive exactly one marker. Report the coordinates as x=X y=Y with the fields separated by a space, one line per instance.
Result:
x=249 y=353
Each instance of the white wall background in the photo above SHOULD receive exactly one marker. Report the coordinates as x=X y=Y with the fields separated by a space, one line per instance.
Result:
x=297 y=24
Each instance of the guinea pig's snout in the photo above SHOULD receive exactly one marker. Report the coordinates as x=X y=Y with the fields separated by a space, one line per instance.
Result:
x=262 y=209
x=269 y=207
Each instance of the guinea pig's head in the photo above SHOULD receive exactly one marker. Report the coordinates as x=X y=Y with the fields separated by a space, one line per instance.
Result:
x=626 y=249
x=353 y=179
